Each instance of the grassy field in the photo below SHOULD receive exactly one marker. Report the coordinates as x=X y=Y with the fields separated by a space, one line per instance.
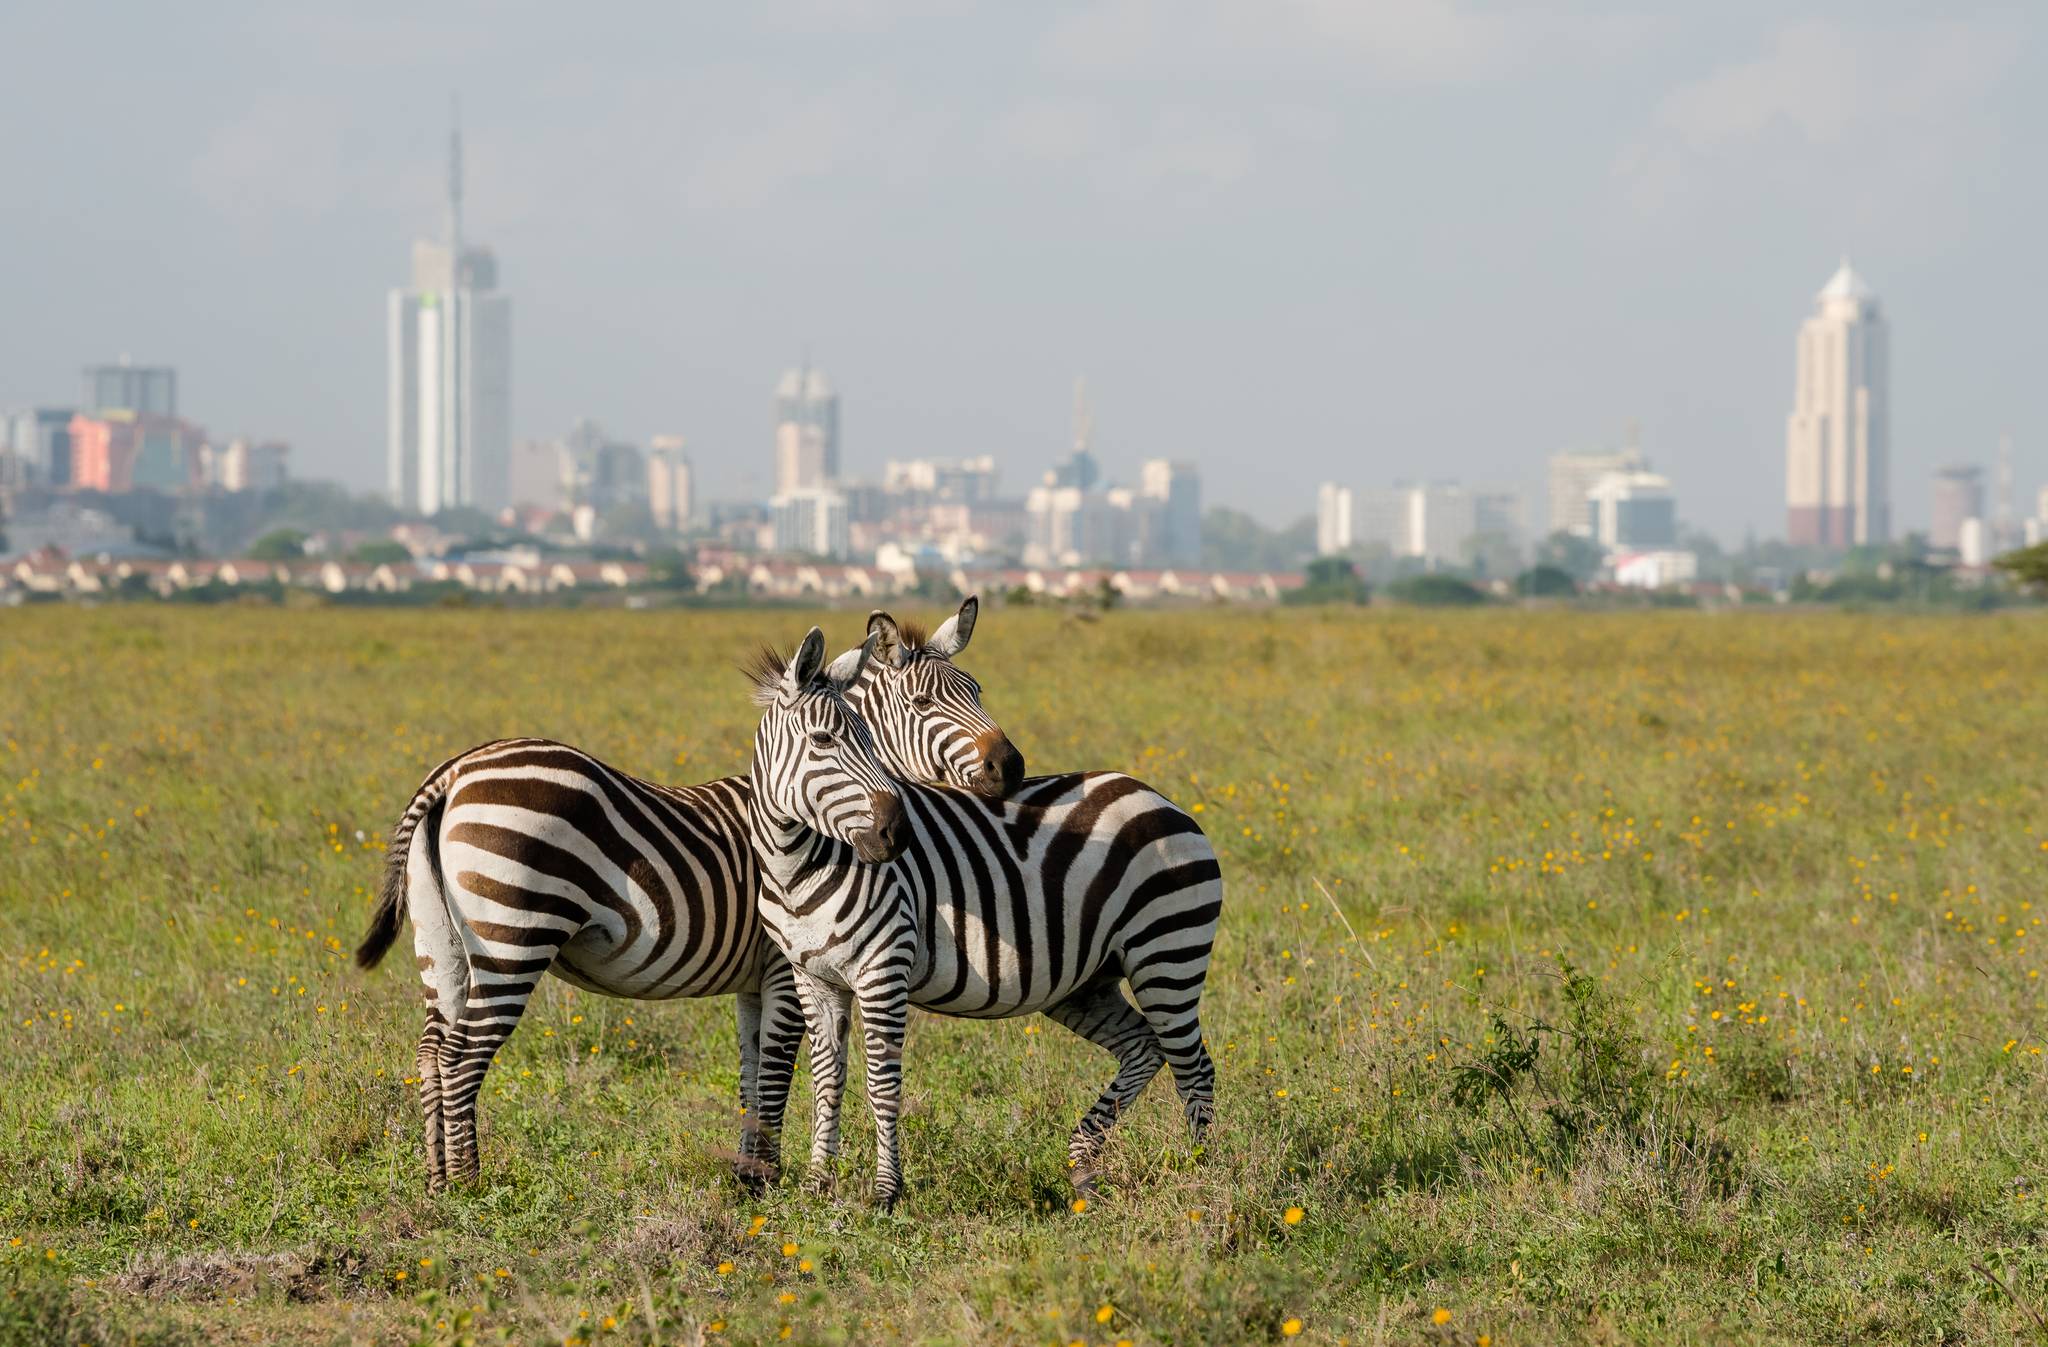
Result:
x=1656 y=978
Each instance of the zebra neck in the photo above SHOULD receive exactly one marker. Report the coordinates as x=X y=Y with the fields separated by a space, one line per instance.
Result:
x=782 y=846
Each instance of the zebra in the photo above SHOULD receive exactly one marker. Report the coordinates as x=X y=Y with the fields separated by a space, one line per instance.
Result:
x=524 y=856
x=925 y=711
x=1045 y=902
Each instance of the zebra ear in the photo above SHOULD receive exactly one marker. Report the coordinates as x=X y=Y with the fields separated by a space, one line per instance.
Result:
x=952 y=636
x=810 y=658
x=888 y=638
x=846 y=670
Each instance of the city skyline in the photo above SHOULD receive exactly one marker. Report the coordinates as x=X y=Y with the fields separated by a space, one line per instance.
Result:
x=1634 y=242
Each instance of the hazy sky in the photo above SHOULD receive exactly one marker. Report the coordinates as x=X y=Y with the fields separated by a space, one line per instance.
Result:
x=1288 y=239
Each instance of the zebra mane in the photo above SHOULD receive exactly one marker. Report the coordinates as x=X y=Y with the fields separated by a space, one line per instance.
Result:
x=765 y=668
x=913 y=634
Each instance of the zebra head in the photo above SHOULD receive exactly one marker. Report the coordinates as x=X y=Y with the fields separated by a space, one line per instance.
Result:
x=815 y=763
x=926 y=711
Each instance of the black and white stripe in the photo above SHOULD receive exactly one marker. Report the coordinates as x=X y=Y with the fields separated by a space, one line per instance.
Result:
x=526 y=856
x=925 y=711
x=1045 y=902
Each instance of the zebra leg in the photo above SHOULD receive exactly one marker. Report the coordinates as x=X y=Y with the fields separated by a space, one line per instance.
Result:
x=884 y=1011
x=781 y=1037
x=747 y=1014
x=1099 y=1013
x=1171 y=1004
x=826 y=1009
x=499 y=988
x=444 y=984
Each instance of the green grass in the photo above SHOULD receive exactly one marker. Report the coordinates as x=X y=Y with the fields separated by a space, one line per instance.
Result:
x=1795 y=855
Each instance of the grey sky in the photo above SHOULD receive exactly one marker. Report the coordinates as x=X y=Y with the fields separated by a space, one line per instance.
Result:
x=1288 y=239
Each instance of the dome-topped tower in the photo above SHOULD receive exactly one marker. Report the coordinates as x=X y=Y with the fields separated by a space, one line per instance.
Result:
x=1845 y=284
x=1838 y=438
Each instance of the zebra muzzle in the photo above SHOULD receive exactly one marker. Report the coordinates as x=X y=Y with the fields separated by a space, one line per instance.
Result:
x=884 y=839
x=1002 y=766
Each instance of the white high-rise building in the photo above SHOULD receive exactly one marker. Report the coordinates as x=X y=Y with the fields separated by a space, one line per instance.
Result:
x=1171 y=496
x=449 y=343
x=1838 y=438
x=669 y=483
x=806 y=432
x=1632 y=511
x=1333 y=519
x=811 y=521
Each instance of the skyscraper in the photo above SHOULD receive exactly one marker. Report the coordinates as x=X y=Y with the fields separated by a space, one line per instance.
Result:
x=1838 y=438
x=1172 y=493
x=669 y=495
x=449 y=420
x=806 y=432
x=1573 y=475
x=149 y=389
x=1333 y=519
x=1958 y=498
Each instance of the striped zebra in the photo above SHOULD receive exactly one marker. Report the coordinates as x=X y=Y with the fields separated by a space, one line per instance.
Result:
x=1046 y=902
x=525 y=856
x=925 y=711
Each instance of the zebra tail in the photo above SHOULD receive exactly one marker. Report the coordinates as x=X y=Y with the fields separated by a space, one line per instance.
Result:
x=390 y=914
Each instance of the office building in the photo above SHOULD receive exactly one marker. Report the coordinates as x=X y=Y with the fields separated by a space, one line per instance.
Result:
x=1632 y=511
x=811 y=522
x=245 y=465
x=669 y=483
x=536 y=475
x=1333 y=519
x=972 y=480
x=121 y=451
x=148 y=390
x=1171 y=513
x=38 y=441
x=1572 y=477
x=1958 y=495
x=449 y=373
x=806 y=432
x=1838 y=437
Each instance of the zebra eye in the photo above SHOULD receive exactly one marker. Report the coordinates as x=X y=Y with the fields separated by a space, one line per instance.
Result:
x=922 y=701
x=821 y=739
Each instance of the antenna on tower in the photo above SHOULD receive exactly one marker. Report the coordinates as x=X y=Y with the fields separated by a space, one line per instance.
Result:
x=1084 y=424
x=455 y=181
x=2001 y=523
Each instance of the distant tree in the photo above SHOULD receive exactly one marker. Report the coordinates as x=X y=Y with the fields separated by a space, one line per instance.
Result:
x=2028 y=566
x=1330 y=580
x=933 y=586
x=466 y=522
x=1580 y=558
x=1546 y=581
x=1436 y=591
x=279 y=545
x=631 y=520
x=380 y=552
x=1234 y=541
x=668 y=569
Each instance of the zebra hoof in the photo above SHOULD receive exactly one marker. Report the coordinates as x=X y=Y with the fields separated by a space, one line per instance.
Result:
x=1084 y=1183
x=818 y=1183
